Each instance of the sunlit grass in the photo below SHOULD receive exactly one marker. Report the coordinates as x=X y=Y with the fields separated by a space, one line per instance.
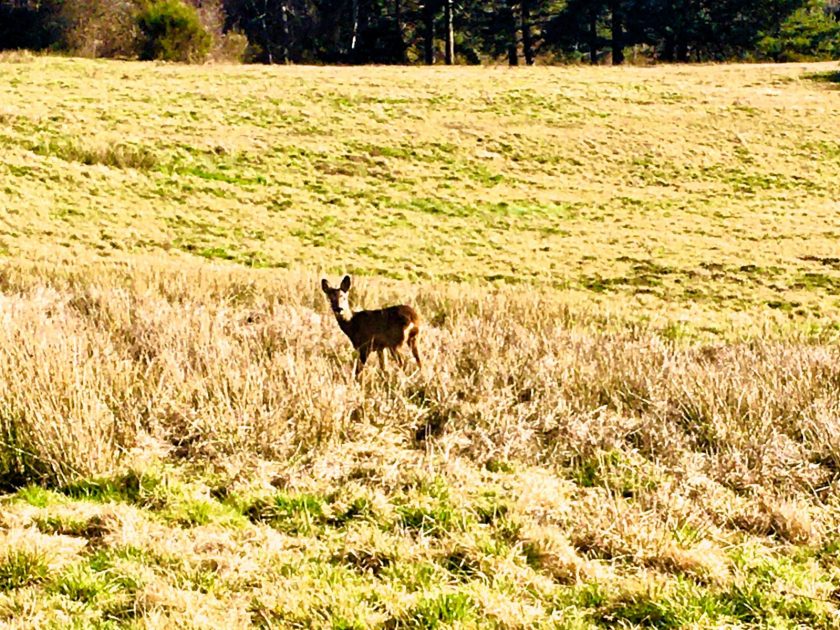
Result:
x=628 y=412
x=694 y=192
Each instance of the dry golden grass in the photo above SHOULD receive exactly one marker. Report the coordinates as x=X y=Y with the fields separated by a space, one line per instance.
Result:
x=629 y=409
x=204 y=424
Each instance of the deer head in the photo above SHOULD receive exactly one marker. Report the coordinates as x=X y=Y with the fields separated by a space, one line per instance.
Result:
x=339 y=298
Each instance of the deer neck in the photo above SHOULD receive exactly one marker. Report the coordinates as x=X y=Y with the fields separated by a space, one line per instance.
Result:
x=345 y=320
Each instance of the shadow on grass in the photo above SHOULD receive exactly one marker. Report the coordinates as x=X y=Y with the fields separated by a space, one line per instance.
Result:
x=832 y=77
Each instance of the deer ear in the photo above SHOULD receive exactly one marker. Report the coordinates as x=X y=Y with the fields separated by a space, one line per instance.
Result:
x=345 y=284
x=325 y=286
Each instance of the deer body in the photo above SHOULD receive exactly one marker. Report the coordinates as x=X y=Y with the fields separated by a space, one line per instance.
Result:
x=376 y=330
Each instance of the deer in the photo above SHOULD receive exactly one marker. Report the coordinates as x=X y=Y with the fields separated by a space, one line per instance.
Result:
x=377 y=330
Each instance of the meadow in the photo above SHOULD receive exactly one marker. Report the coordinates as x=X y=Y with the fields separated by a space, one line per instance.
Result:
x=629 y=411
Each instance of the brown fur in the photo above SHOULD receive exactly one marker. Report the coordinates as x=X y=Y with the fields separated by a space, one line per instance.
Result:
x=374 y=331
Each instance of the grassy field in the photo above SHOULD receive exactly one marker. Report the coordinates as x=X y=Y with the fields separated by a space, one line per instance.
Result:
x=695 y=192
x=629 y=413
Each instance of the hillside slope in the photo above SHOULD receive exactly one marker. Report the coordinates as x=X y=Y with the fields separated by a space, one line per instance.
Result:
x=696 y=191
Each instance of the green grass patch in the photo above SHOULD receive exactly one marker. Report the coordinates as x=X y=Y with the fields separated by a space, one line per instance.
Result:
x=19 y=568
x=115 y=155
x=295 y=514
x=428 y=510
x=130 y=487
x=641 y=609
x=440 y=611
x=613 y=470
x=832 y=78
x=38 y=496
x=91 y=528
x=192 y=512
x=80 y=584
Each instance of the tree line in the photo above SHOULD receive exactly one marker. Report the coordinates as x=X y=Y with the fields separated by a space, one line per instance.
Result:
x=428 y=31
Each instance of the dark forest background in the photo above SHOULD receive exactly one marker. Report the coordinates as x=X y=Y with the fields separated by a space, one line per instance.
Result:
x=427 y=31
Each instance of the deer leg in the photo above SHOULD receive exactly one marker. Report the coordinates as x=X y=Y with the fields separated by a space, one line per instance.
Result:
x=363 y=355
x=412 y=343
x=382 y=359
x=398 y=358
